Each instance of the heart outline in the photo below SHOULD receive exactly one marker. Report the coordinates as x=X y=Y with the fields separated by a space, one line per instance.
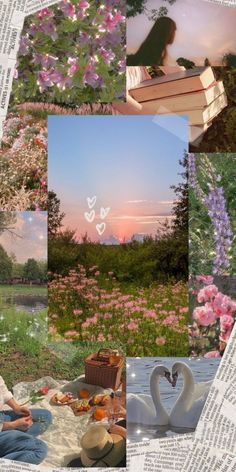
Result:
x=104 y=212
x=89 y=216
x=100 y=227
x=91 y=201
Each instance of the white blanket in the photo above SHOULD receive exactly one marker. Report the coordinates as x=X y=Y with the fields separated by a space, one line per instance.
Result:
x=63 y=436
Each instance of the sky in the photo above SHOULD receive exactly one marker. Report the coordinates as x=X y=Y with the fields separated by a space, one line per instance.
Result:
x=31 y=226
x=204 y=29
x=126 y=162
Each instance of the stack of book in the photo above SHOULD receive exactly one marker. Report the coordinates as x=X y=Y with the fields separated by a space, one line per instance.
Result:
x=194 y=93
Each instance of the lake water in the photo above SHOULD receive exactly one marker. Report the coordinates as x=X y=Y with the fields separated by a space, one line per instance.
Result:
x=138 y=374
x=29 y=303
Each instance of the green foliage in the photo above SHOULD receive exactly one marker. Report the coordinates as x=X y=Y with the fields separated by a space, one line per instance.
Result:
x=54 y=216
x=31 y=270
x=5 y=265
x=181 y=61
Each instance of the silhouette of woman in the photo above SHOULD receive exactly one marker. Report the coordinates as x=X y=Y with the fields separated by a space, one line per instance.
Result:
x=153 y=50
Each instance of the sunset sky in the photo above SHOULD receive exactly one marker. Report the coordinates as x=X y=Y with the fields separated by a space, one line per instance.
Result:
x=204 y=29
x=32 y=227
x=127 y=162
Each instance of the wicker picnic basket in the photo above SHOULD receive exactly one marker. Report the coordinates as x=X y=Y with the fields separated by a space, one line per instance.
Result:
x=104 y=368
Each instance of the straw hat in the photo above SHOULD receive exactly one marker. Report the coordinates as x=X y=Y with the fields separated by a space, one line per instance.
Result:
x=102 y=449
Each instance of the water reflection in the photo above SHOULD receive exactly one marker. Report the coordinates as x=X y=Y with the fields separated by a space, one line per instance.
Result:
x=25 y=303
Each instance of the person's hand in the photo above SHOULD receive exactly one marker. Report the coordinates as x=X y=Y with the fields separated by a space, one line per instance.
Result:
x=22 y=410
x=22 y=423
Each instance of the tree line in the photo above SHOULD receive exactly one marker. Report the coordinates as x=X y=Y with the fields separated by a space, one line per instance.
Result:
x=12 y=271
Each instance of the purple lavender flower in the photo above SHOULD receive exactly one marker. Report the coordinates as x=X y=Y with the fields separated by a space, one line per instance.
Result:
x=216 y=206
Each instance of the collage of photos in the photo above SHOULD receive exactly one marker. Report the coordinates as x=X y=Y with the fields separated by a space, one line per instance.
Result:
x=117 y=228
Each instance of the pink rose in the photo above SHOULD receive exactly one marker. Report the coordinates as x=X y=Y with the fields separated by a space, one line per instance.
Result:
x=212 y=354
x=224 y=336
x=204 y=316
x=206 y=279
x=226 y=322
x=207 y=293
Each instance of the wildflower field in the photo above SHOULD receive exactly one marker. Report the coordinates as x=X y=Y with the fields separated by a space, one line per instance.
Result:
x=86 y=305
x=71 y=53
x=23 y=163
x=212 y=214
x=213 y=309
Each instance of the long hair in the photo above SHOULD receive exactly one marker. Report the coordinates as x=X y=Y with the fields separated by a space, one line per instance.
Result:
x=153 y=49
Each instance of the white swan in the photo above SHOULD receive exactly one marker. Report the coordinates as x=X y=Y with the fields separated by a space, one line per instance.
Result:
x=148 y=409
x=188 y=407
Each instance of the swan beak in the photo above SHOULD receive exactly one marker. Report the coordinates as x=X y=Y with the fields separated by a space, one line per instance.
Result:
x=174 y=379
x=167 y=376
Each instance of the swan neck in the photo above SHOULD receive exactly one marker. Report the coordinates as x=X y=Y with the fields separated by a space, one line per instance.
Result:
x=155 y=391
x=189 y=385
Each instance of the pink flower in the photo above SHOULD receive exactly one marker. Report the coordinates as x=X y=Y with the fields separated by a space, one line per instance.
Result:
x=212 y=354
x=226 y=322
x=73 y=66
x=132 y=326
x=83 y=4
x=67 y=8
x=77 y=312
x=204 y=316
x=207 y=293
x=224 y=336
x=160 y=341
x=206 y=279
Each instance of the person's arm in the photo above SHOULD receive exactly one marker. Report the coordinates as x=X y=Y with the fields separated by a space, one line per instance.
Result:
x=5 y=396
x=18 y=409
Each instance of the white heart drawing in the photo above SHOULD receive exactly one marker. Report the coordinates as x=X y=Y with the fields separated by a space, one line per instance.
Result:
x=100 y=227
x=104 y=212
x=91 y=201
x=89 y=216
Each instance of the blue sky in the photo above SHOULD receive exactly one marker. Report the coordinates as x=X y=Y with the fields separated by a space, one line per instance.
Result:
x=127 y=162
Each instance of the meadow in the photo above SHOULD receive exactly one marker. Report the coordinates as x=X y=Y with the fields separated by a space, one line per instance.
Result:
x=86 y=305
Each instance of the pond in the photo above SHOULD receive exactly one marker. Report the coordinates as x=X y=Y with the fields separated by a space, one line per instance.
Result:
x=138 y=374
x=30 y=303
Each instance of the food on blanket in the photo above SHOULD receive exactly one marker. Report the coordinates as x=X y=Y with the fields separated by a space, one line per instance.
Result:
x=62 y=398
x=84 y=393
x=80 y=406
x=99 y=414
x=99 y=400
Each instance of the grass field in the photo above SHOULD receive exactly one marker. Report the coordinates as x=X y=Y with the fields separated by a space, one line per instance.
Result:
x=22 y=289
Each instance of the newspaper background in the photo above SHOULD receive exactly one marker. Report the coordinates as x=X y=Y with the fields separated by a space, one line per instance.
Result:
x=225 y=3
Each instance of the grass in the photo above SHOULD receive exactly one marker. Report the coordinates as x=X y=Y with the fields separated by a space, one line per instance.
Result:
x=61 y=361
x=23 y=290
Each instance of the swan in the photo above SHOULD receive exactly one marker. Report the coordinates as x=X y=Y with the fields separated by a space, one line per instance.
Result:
x=188 y=406
x=148 y=409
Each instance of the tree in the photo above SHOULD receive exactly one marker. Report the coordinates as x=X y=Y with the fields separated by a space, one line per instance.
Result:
x=54 y=216
x=5 y=265
x=31 y=270
x=137 y=7
x=7 y=221
x=180 y=208
x=43 y=269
